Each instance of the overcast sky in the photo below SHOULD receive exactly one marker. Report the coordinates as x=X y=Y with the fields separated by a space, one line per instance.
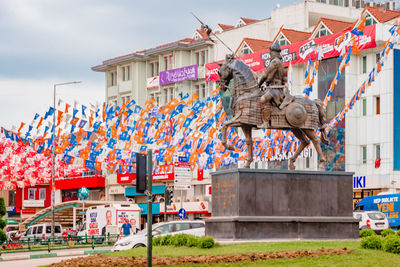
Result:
x=53 y=41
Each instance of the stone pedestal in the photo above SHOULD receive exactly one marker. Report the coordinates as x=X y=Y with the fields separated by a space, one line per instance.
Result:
x=262 y=204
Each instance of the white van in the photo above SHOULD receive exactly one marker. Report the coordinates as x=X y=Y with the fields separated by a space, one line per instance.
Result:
x=41 y=231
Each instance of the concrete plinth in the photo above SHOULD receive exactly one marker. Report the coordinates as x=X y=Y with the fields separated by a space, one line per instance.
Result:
x=259 y=204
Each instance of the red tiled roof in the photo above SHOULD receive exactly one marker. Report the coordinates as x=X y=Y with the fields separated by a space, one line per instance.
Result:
x=333 y=25
x=186 y=40
x=203 y=33
x=293 y=36
x=225 y=27
x=382 y=15
x=248 y=21
x=255 y=44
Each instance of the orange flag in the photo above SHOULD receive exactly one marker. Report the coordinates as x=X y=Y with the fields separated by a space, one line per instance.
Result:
x=67 y=107
x=40 y=123
x=20 y=127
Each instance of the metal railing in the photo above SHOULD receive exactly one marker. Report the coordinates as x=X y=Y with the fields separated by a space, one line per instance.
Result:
x=59 y=242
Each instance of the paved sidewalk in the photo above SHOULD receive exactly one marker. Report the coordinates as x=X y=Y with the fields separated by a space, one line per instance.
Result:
x=54 y=253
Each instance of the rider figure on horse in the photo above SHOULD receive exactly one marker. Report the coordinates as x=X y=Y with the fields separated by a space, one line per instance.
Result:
x=275 y=79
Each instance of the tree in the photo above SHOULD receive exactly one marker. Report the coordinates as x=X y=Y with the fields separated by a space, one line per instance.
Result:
x=3 y=211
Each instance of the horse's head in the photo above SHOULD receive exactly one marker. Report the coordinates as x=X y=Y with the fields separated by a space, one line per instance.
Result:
x=225 y=72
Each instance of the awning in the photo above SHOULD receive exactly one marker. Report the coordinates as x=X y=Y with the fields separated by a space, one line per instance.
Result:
x=156 y=190
x=155 y=208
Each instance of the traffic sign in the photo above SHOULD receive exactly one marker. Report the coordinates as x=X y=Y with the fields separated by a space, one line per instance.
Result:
x=182 y=187
x=182 y=213
x=83 y=193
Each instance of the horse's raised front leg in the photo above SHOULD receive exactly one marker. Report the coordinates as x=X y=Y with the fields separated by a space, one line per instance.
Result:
x=231 y=123
x=303 y=143
x=317 y=144
x=249 y=141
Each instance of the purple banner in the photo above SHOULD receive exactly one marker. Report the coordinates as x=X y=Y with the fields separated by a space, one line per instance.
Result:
x=178 y=75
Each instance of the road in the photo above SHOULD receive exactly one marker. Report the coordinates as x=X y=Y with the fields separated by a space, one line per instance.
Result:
x=35 y=262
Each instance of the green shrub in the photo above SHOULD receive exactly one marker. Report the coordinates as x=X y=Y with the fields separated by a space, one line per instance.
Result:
x=2 y=223
x=166 y=240
x=206 y=242
x=192 y=241
x=398 y=232
x=391 y=243
x=3 y=236
x=366 y=232
x=180 y=240
x=3 y=210
x=387 y=232
x=157 y=241
x=372 y=242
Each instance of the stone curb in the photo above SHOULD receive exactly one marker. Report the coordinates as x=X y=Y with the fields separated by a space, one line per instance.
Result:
x=54 y=254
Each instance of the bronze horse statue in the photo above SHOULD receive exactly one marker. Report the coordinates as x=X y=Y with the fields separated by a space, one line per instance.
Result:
x=301 y=116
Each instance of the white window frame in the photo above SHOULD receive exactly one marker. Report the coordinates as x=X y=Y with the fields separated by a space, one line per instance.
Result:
x=30 y=190
x=282 y=40
x=42 y=191
x=246 y=49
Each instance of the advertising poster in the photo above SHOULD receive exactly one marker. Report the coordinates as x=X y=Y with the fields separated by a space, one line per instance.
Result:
x=98 y=219
x=133 y=217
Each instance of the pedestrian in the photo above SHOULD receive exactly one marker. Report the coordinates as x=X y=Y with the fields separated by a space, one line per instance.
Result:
x=126 y=228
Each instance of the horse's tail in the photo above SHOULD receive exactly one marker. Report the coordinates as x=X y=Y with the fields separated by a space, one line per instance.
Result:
x=322 y=120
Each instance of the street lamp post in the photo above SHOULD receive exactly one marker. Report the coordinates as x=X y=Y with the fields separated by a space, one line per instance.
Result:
x=53 y=156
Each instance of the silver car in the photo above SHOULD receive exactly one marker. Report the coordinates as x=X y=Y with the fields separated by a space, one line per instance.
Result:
x=374 y=220
x=196 y=228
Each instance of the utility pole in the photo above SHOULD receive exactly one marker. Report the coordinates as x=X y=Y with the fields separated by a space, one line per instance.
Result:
x=149 y=207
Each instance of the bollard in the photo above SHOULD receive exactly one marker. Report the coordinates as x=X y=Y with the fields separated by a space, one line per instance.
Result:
x=86 y=237
x=29 y=246
x=92 y=242
x=48 y=244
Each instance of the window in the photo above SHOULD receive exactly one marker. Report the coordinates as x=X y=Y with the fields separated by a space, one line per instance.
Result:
x=370 y=20
x=203 y=58
x=364 y=107
x=307 y=162
x=323 y=31
x=164 y=229
x=48 y=229
x=113 y=78
x=197 y=225
x=152 y=72
x=42 y=193
x=203 y=91
x=283 y=41
x=378 y=105
x=197 y=58
x=157 y=69
x=125 y=99
x=377 y=151
x=246 y=49
x=171 y=62
x=171 y=93
x=197 y=89
x=182 y=227
x=123 y=74
x=364 y=64
x=377 y=57
x=165 y=63
x=12 y=198
x=40 y=230
x=31 y=193
x=57 y=229
x=165 y=96
x=34 y=230
x=128 y=73
x=364 y=154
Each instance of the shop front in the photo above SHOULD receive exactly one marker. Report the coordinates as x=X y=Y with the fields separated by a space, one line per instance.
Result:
x=69 y=187
x=30 y=200
x=196 y=210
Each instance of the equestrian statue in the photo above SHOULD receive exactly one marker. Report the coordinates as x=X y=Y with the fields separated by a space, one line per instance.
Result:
x=269 y=104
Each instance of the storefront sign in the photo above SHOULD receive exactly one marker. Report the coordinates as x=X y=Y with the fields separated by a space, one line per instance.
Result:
x=116 y=190
x=359 y=182
x=298 y=52
x=153 y=82
x=190 y=207
x=178 y=75
x=164 y=172
x=28 y=211
x=34 y=203
x=11 y=209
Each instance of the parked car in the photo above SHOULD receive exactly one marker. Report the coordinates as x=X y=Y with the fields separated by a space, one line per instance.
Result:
x=374 y=220
x=70 y=234
x=196 y=228
x=41 y=231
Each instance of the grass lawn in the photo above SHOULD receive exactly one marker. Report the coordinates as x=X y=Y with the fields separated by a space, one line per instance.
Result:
x=360 y=256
